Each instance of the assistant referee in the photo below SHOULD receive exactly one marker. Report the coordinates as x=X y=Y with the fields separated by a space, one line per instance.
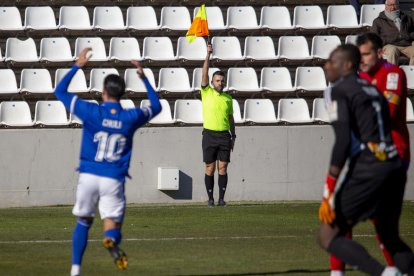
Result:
x=219 y=131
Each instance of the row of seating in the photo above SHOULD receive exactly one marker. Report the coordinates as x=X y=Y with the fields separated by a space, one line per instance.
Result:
x=53 y=113
x=178 y=18
x=227 y=48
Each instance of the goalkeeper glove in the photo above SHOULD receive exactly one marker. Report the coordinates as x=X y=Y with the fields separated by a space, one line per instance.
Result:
x=326 y=210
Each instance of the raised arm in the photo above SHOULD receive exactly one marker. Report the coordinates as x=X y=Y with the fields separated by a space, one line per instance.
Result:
x=206 y=65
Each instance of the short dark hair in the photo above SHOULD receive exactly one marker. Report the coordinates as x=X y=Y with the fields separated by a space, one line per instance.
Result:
x=218 y=73
x=351 y=53
x=370 y=37
x=115 y=86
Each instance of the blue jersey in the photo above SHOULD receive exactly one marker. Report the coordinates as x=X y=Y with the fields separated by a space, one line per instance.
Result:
x=108 y=129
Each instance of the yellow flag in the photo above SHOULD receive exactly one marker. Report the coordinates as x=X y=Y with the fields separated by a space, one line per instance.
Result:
x=199 y=27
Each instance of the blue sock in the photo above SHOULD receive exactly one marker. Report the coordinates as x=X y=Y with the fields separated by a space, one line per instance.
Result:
x=80 y=240
x=114 y=234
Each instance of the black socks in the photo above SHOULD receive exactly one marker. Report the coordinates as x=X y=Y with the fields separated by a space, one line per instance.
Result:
x=222 y=183
x=209 y=181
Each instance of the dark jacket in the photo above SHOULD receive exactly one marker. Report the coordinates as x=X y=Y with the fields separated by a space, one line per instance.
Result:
x=386 y=29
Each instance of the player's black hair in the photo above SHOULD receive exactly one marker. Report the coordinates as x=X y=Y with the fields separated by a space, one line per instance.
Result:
x=351 y=53
x=218 y=73
x=115 y=86
x=370 y=37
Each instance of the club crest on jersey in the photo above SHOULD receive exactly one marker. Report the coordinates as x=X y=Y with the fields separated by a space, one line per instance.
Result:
x=113 y=111
x=392 y=81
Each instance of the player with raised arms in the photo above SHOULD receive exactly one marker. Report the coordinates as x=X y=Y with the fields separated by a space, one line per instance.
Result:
x=106 y=149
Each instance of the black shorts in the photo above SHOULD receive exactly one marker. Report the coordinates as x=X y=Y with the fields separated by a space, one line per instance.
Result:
x=216 y=146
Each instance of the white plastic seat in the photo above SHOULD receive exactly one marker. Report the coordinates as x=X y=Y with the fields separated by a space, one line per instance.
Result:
x=293 y=47
x=323 y=45
x=191 y=51
x=259 y=111
x=237 y=113
x=259 y=48
x=369 y=13
x=198 y=74
x=310 y=78
x=342 y=16
x=55 y=49
x=215 y=18
x=158 y=49
x=78 y=82
x=97 y=78
x=409 y=73
x=175 y=18
x=308 y=17
x=276 y=79
x=10 y=19
x=97 y=45
x=188 y=111
x=410 y=111
x=319 y=112
x=40 y=18
x=21 y=50
x=275 y=18
x=164 y=117
x=174 y=80
x=8 y=82
x=15 y=113
x=74 y=18
x=35 y=81
x=127 y=103
x=108 y=18
x=133 y=82
x=1 y=56
x=226 y=48
x=351 y=39
x=241 y=18
x=141 y=18
x=242 y=79
x=293 y=111
x=124 y=49
x=50 y=113
x=74 y=120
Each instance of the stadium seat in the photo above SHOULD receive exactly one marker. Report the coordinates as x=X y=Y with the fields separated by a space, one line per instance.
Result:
x=409 y=72
x=50 y=113
x=351 y=39
x=275 y=18
x=8 y=82
x=259 y=48
x=197 y=76
x=1 y=56
x=164 y=117
x=226 y=48
x=40 y=18
x=215 y=18
x=158 y=49
x=242 y=18
x=237 y=113
x=310 y=79
x=134 y=84
x=293 y=111
x=308 y=17
x=10 y=19
x=142 y=19
x=188 y=111
x=276 y=79
x=369 y=13
x=175 y=18
x=15 y=114
x=74 y=18
x=108 y=18
x=35 y=81
x=127 y=103
x=97 y=45
x=323 y=45
x=74 y=120
x=319 y=112
x=124 y=49
x=55 y=49
x=259 y=111
x=342 y=16
x=78 y=82
x=191 y=51
x=174 y=80
x=97 y=78
x=293 y=48
x=242 y=79
x=21 y=50
x=410 y=111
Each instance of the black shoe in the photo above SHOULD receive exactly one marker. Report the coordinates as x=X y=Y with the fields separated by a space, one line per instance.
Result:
x=211 y=203
x=221 y=203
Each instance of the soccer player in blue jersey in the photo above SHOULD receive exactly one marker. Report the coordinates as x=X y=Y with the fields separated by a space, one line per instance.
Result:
x=106 y=150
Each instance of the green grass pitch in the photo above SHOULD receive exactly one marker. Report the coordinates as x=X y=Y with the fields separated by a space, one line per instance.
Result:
x=242 y=239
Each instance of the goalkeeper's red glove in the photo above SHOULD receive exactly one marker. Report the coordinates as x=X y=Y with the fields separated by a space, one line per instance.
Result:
x=326 y=210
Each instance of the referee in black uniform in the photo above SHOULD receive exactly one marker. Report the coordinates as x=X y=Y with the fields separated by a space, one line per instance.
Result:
x=219 y=130
x=374 y=186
